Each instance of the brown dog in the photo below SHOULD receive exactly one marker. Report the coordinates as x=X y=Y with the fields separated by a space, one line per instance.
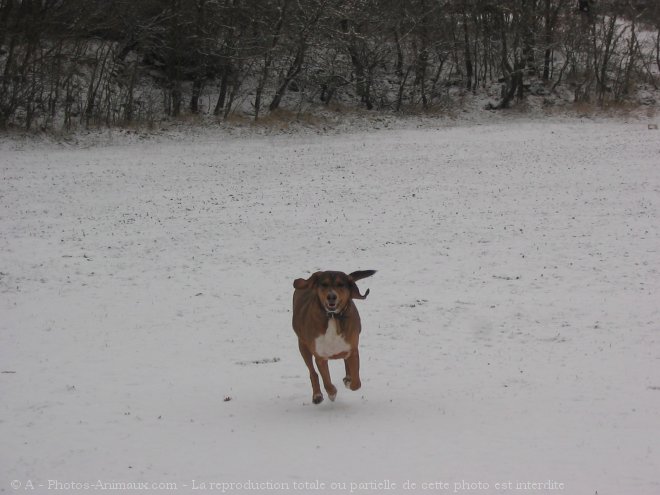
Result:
x=327 y=324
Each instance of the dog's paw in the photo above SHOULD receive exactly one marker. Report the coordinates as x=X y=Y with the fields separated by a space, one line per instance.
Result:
x=332 y=392
x=352 y=385
x=317 y=399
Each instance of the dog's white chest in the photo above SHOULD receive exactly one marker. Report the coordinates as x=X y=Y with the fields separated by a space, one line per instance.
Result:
x=331 y=343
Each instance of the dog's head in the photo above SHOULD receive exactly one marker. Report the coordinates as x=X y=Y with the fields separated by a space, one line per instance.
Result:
x=334 y=289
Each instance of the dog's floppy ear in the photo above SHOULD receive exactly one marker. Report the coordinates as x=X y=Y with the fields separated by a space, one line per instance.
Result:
x=301 y=283
x=355 y=292
x=361 y=274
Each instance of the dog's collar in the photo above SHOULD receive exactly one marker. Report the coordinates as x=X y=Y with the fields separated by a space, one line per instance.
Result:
x=337 y=316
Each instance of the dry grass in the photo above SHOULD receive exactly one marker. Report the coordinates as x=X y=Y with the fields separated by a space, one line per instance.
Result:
x=283 y=118
x=278 y=120
x=621 y=109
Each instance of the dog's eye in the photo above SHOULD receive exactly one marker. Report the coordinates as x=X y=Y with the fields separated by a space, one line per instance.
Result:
x=341 y=285
x=325 y=285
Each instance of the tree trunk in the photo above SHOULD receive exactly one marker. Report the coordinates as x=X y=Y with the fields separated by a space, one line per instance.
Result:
x=657 y=49
x=129 y=108
x=268 y=60
x=548 y=42
x=196 y=93
x=399 y=69
x=601 y=72
x=222 y=96
x=468 y=58
x=176 y=98
x=292 y=73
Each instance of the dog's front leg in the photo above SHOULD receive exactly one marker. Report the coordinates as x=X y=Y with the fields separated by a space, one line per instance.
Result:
x=352 y=364
x=324 y=369
x=317 y=396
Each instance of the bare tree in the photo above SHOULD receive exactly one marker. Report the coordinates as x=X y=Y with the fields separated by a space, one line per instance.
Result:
x=101 y=62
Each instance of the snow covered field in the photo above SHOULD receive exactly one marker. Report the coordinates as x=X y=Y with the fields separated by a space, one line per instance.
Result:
x=510 y=344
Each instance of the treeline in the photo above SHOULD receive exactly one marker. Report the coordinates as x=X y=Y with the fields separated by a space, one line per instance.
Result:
x=109 y=62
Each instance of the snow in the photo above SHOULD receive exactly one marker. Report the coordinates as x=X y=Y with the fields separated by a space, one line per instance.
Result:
x=510 y=336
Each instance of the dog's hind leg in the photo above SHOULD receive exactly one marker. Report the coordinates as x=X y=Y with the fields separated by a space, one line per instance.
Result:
x=317 y=396
x=322 y=365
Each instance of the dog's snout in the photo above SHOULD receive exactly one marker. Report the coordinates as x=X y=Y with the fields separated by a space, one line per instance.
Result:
x=332 y=296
